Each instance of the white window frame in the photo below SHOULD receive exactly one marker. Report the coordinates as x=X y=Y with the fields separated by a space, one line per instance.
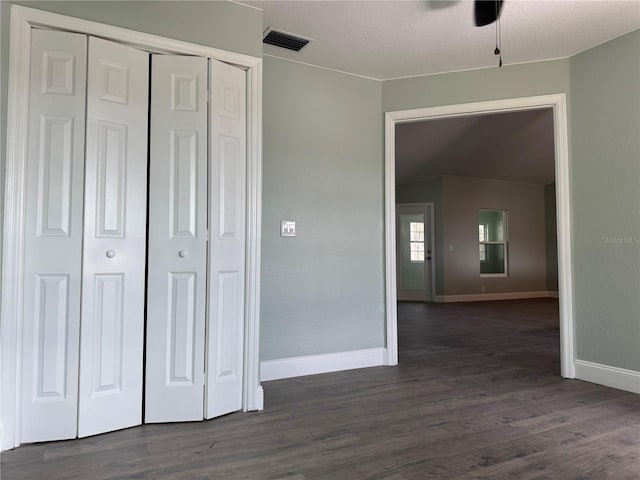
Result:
x=412 y=242
x=482 y=252
x=504 y=242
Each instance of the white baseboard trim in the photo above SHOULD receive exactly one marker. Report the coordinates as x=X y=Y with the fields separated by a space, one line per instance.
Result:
x=313 y=364
x=484 y=297
x=614 y=377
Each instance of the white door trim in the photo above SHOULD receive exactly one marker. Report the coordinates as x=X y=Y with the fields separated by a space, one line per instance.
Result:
x=558 y=103
x=22 y=21
x=430 y=206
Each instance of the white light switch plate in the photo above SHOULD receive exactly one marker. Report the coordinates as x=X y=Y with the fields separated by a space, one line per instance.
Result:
x=287 y=228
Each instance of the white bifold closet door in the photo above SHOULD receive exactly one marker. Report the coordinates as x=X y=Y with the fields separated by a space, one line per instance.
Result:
x=227 y=224
x=113 y=284
x=177 y=272
x=84 y=272
x=86 y=238
x=182 y=383
x=53 y=236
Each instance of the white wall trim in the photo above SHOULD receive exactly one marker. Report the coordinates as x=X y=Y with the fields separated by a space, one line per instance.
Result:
x=22 y=20
x=324 y=363
x=253 y=395
x=613 y=377
x=485 y=297
x=558 y=103
x=390 y=238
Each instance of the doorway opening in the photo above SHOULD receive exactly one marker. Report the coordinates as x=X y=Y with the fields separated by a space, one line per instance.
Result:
x=415 y=252
x=470 y=256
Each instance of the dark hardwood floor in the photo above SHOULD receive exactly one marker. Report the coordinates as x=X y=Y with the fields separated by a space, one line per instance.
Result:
x=477 y=395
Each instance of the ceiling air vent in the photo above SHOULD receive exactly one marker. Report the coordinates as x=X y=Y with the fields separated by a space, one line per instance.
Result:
x=284 y=39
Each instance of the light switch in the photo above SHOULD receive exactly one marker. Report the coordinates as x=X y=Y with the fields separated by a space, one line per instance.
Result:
x=287 y=228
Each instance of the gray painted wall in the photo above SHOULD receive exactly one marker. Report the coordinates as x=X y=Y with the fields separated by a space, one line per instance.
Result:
x=551 y=236
x=462 y=198
x=605 y=126
x=322 y=291
x=428 y=191
x=477 y=85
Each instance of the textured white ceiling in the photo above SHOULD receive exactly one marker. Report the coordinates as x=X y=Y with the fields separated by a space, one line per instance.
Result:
x=391 y=39
x=515 y=146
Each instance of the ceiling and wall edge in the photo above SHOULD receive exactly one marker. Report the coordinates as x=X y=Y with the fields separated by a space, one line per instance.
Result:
x=383 y=80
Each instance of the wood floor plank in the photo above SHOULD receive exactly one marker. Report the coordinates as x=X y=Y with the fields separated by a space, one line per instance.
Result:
x=476 y=395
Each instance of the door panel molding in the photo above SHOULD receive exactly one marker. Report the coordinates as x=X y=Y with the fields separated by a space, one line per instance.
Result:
x=177 y=270
x=23 y=19
x=114 y=242
x=227 y=245
x=52 y=238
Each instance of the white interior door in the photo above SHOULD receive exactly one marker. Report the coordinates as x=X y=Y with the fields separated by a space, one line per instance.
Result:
x=414 y=259
x=176 y=296
x=227 y=204
x=111 y=343
x=53 y=233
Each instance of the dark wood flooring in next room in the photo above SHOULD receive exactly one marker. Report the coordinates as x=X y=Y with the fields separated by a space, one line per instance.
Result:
x=476 y=395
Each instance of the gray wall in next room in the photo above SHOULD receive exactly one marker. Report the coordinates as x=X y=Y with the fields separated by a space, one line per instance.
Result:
x=428 y=191
x=463 y=197
x=551 y=236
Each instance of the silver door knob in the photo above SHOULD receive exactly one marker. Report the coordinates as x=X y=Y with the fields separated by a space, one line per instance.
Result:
x=111 y=254
x=182 y=253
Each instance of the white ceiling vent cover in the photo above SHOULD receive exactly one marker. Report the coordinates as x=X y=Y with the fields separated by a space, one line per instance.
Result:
x=282 y=39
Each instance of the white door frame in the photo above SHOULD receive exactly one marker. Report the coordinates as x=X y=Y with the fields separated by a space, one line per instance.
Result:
x=22 y=21
x=558 y=103
x=430 y=207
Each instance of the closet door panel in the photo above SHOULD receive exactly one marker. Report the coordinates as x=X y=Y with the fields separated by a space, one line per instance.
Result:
x=176 y=299
x=113 y=288
x=227 y=186
x=53 y=233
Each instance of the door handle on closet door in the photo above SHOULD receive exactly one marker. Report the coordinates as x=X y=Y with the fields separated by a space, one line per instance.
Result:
x=182 y=253
x=110 y=253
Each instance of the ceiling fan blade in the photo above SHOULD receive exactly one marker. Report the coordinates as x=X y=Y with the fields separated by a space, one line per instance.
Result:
x=487 y=11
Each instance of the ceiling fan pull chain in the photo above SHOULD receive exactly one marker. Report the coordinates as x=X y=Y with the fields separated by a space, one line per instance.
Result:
x=497 y=51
